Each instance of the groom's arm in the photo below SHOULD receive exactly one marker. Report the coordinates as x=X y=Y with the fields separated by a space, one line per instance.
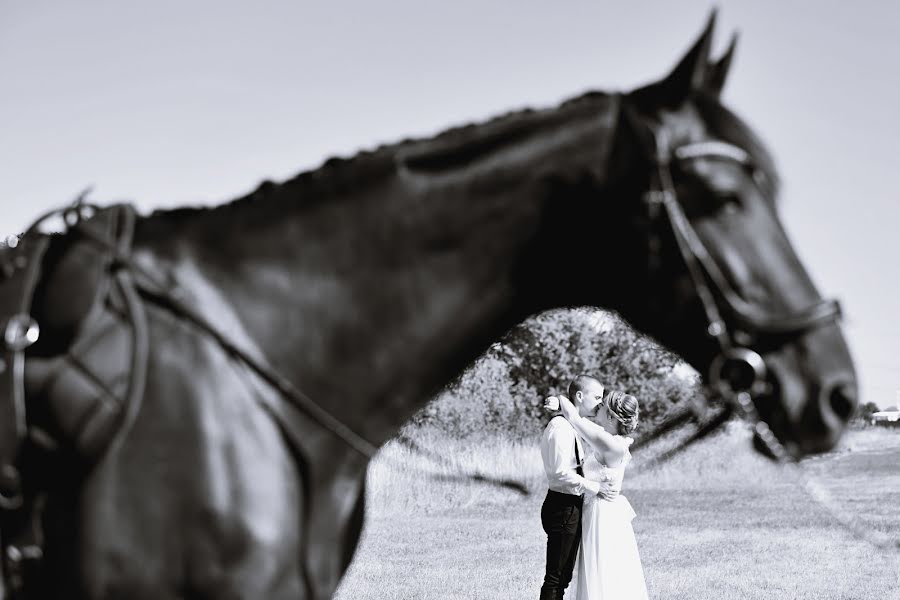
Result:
x=560 y=464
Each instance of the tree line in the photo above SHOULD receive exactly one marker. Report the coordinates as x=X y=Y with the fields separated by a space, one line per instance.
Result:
x=501 y=392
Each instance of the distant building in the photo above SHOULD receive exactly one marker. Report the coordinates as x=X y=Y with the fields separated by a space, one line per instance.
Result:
x=889 y=417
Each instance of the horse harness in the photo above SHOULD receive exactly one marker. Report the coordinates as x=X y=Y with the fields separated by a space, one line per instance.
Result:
x=109 y=290
x=737 y=373
x=103 y=381
x=97 y=383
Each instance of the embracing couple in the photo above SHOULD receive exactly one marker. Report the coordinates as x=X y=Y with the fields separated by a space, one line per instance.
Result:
x=587 y=521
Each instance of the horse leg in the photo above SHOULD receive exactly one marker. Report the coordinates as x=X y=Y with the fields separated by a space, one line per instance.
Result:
x=334 y=520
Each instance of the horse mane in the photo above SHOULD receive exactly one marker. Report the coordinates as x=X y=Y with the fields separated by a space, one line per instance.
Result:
x=459 y=146
x=450 y=148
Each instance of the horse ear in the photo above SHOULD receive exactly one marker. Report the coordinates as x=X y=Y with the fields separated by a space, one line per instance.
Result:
x=689 y=74
x=718 y=71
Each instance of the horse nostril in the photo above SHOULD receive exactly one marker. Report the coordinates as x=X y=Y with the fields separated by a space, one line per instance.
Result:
x=825 y=419
x=842 y=400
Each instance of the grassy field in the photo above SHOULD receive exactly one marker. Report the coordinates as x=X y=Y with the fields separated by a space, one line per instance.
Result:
x=716 y=523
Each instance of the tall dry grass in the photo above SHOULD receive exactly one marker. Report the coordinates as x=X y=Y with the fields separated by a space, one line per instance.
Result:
x=402 y=479
x=718 y=522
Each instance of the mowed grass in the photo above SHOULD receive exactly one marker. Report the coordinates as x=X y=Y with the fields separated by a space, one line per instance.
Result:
x=717 y=522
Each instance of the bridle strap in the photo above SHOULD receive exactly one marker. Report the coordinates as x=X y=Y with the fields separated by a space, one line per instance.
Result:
x=704 y=273
x=150 y=287
x=22 y=543
x=691 y=249
x=153 y=290
x=19 y=280
x=132 y=282
x=20 y=274
x=134 y=312
x=731 y=321
x=704 y=269
x=257 y=364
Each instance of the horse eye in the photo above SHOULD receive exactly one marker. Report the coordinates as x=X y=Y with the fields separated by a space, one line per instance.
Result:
x=759 y=177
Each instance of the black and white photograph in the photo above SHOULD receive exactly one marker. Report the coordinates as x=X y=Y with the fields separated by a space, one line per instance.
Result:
x=396 y=300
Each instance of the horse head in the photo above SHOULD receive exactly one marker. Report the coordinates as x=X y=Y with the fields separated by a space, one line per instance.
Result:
x=714 y=276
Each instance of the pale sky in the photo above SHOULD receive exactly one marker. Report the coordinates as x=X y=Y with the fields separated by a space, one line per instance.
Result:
x=170 y=103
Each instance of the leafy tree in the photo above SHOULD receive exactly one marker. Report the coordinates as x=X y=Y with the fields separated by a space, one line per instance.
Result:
x=864 y=412
x=502 y=391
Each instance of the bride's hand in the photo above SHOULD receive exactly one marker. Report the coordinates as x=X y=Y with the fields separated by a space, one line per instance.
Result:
x=608 y=492
x=551 y=403
x=567 y=408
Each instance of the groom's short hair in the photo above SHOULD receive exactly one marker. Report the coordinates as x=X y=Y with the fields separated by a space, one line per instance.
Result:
x=581 y=383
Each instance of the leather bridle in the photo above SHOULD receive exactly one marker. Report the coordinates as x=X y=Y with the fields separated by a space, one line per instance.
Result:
x=737 y=373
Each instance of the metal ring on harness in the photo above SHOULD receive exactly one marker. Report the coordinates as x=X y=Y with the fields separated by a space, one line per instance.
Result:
x=738 y=370
x=20 y=332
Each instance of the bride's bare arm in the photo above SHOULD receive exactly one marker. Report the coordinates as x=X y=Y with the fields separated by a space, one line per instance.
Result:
x=593 y=434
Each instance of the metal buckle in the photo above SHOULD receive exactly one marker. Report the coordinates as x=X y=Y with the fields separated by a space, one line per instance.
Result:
x=20 y=332
x=738 y=371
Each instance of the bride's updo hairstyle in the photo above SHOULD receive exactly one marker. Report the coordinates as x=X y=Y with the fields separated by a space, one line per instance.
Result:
x=624 y=409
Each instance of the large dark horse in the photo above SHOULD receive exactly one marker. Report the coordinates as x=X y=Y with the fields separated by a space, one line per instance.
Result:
x=208 y=386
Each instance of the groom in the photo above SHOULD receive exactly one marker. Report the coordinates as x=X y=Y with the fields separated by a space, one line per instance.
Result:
x=563 y=453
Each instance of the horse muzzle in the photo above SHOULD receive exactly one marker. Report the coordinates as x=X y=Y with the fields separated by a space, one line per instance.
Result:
x=807 y=393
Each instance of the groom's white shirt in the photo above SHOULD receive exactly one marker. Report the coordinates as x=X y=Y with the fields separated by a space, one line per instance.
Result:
x=558 y=454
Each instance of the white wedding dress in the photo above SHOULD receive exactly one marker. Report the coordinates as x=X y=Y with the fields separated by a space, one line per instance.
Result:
x=608 y=566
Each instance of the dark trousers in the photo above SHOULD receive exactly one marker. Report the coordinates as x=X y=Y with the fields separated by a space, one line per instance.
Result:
x=561 y=518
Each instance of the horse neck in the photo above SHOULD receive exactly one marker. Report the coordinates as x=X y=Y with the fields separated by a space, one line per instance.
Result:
x=378 y=294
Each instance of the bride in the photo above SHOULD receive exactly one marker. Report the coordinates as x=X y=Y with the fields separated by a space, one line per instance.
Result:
x=608 y=566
